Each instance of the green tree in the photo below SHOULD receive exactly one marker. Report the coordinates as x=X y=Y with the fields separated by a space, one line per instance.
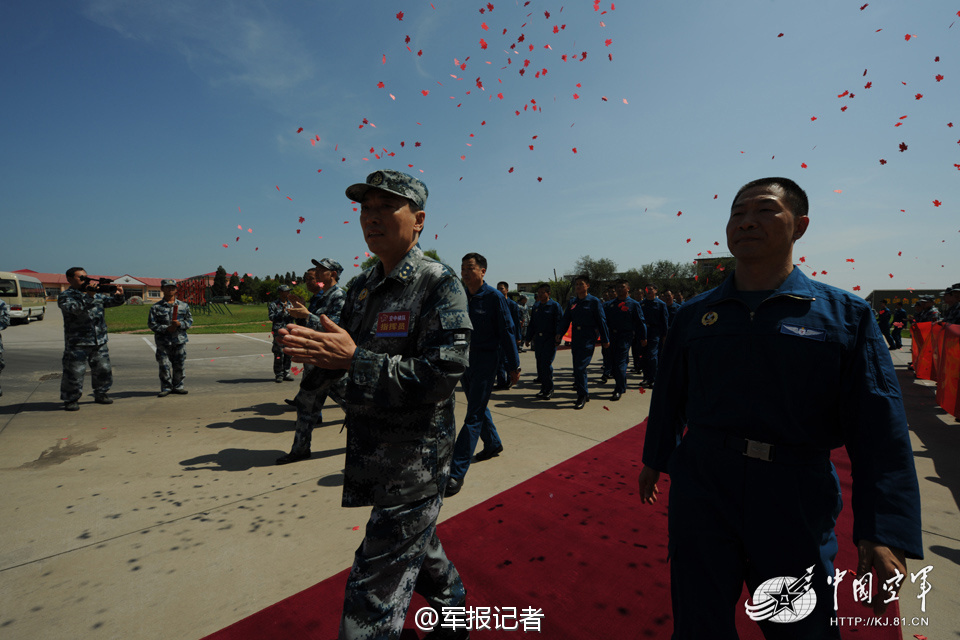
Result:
x=601 y=271
x=560 y=290
x=220 y=282
x=233 y=288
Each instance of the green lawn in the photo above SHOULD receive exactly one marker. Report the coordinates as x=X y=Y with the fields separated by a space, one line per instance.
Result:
x=250 y=318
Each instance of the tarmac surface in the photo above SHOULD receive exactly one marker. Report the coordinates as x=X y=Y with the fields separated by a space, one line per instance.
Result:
x=167 y=517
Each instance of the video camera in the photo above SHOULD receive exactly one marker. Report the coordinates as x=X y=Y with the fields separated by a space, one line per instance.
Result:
x=99 y=285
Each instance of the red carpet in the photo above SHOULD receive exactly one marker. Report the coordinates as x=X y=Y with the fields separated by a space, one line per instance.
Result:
x=574 y=542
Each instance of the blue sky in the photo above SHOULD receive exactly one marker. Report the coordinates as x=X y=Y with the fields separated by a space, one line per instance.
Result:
x=139 y=135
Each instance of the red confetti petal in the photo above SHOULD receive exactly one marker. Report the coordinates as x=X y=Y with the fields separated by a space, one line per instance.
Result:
x=483 y=43
x=918 y=96
x=400 y=16
x=679 y=213
x=939 y=77
x=780 y=35
x=882 y=161
x=937 y=203
x=903 y=147
x=425 y=92
x=803 y=165
x=856 y=288
x=300 y=129
x=574 y=149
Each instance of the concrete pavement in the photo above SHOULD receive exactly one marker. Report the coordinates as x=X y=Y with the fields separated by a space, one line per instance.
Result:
x=166 y=517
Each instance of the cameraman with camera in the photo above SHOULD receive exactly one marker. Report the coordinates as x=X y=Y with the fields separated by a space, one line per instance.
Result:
x=85 y=335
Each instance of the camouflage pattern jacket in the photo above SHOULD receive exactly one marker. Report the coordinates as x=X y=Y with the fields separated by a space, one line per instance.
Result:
x=412 y=333
x=277 y=312
x=953 y=314
x=4 y=320
x=83 y=321
x=329 y=303
x=161 y=317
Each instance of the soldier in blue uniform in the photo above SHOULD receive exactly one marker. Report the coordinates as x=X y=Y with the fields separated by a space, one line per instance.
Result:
x=4 y=323
x=609 y=295
x=503 y=375
x=542 y=333
x=493 y=335
x=655 y=315
x=761 y=378
x=169 y=320
x=393 y=367
x=278 y=312
x=672 y=306
x=625 y=321
x=85 y=338
x=327 y=300
x=585 y=312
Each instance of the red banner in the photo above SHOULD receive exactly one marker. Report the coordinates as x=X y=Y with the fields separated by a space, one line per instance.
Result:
x=936 y=356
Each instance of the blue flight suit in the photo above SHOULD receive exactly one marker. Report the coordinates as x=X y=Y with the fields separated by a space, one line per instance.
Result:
x=625 y=321
x=588 y=321
x=656 y=316
x=493 y=333
x=883 y=321
x=805 y=370
x=503 y=377
x=542 y=333
x=899 y=315
x=605 y=354
x=671 y=313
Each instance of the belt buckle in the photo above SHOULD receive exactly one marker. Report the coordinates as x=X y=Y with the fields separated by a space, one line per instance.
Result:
x=759 y=450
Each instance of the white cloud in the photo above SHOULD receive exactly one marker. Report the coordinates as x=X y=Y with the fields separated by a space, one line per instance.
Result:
x=241 y=43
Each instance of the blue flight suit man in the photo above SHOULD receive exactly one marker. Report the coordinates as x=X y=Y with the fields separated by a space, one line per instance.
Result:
x=328 y=300
x=393 y=368
x=899 y=316
x=625 y=321
x=761 y=378
x=85 y=338
x=515 y=315
x=585 y=312
x=884 y=319
x=169 y=320
x=657 y=319
x=607 y=362
x=542 y=333
x=493 y=334
x=4 y=323
x=277 y=311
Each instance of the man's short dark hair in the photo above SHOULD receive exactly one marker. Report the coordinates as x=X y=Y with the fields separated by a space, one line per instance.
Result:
x=504 y=283
x=795 y=197
x=621 y=281
x=543 y=285
x=650 y=285
x=583 y=277
x=476 y=257
x=73 y=270
x=522 y=299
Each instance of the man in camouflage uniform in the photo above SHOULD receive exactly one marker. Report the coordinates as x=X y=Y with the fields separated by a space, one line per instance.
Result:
x=279 y=315
x=928 y=312
x=4 y=323
x=393 y=367
x=327 y=300
x=952 y=298
x=169 y=320
x=85 y=338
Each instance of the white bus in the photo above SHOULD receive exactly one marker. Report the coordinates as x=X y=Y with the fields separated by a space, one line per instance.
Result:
x=25 y=296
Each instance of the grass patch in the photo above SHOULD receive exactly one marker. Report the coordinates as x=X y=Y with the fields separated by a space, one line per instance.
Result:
x=247 y=318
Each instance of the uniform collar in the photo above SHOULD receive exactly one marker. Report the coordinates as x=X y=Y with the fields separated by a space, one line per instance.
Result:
x=797 y=285
x=406 y=268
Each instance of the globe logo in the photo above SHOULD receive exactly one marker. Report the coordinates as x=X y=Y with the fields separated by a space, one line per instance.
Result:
x=783 y=599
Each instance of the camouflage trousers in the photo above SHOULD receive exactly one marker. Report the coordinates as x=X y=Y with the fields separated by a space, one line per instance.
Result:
x=281 y=361
x=400 y=554
x=171 y=357
x=75 y=361
x=309 y=416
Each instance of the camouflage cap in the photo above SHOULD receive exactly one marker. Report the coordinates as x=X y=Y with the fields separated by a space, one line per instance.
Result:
x=167 y=282
x=395 y=182
x=925 y=299
x=954 y=288
x=327 y=263
x=284 y=288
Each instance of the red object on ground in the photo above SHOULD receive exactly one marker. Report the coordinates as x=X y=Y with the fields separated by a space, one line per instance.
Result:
x=922 y=349
x=575 y=542
x=948 y=369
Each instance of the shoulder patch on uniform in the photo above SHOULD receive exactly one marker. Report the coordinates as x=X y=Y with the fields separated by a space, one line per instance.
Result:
x=709 y=318
x=803 y=332
x=362 y=296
